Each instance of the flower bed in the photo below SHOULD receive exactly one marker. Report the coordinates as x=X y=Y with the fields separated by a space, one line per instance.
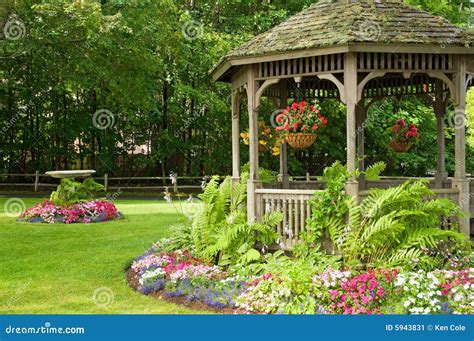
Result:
x=82 y=212
x=378 y=291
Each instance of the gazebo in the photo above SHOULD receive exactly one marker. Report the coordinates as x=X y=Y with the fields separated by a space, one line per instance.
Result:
x=358 y=52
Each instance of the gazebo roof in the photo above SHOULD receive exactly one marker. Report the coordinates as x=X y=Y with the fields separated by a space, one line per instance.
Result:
x=332 y=23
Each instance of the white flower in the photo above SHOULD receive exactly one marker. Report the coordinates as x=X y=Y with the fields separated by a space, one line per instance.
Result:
x=458 y=297
x=406 y=304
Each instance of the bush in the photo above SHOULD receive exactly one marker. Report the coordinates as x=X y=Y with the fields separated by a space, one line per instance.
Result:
x=70 y=192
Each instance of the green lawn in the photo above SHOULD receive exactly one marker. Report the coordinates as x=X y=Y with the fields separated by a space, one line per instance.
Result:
x=55 y=269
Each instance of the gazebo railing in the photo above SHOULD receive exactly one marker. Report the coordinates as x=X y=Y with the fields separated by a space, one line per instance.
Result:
x=294 y=204
x=295 y=208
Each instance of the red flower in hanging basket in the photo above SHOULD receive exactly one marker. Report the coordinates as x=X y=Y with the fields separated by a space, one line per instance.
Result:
x=403 y=136
x=299 y=123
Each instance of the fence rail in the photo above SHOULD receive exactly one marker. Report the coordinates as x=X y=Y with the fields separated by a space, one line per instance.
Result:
x=173 y=184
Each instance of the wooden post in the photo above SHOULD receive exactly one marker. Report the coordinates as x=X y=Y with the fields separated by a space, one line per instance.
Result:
x=440 y=112
x=36 y=181
x=252 y=185
x=361 y=114
x=175 y=183
x=235 y=136
x=285 y=179
x=106 y=182
x=350 y=86
x=460 y=180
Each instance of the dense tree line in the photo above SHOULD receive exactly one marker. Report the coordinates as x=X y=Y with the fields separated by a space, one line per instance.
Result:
x=122 y=86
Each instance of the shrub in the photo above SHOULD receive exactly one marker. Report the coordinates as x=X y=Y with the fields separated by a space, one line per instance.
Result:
x=70 y=191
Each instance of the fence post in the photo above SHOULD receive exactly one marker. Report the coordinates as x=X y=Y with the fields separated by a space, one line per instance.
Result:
x=308 y=178
x=175 y=183
x=106 y=182
x=36 y=181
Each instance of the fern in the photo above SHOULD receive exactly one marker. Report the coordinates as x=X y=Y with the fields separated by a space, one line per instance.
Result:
x=400 y=224
x=373 y=171
x=397 y=226
x=220 y=232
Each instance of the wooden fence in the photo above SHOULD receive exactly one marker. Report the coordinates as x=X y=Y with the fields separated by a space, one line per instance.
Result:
x=174 y=184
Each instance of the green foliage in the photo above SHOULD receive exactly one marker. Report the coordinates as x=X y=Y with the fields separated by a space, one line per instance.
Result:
x=237 y=238
x=220 y=231
x=160 y=94
x=399 y=226
x=70 y=191
x=266 y=176
x=373 y=171
x=329 y=211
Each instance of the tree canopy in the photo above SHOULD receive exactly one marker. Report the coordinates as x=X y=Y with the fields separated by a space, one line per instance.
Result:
x=122 y=86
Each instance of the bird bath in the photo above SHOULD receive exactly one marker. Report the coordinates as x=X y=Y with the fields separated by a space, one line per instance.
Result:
x=71 y=174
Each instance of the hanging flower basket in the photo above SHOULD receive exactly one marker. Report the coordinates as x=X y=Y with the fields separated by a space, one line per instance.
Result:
x=298 y=124
x=403 y=136
x=400 y=146
x=300 y=140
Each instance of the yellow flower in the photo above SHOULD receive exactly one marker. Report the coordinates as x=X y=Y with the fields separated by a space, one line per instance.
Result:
x=276 y=151
x=263 y=143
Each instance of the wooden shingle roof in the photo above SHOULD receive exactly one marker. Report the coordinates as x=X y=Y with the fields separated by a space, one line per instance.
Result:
x=342 y=22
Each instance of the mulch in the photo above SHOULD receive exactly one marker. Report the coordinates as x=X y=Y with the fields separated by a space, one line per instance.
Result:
x=132 y=280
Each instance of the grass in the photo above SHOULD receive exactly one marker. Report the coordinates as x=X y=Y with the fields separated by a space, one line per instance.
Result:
x=55 y=269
